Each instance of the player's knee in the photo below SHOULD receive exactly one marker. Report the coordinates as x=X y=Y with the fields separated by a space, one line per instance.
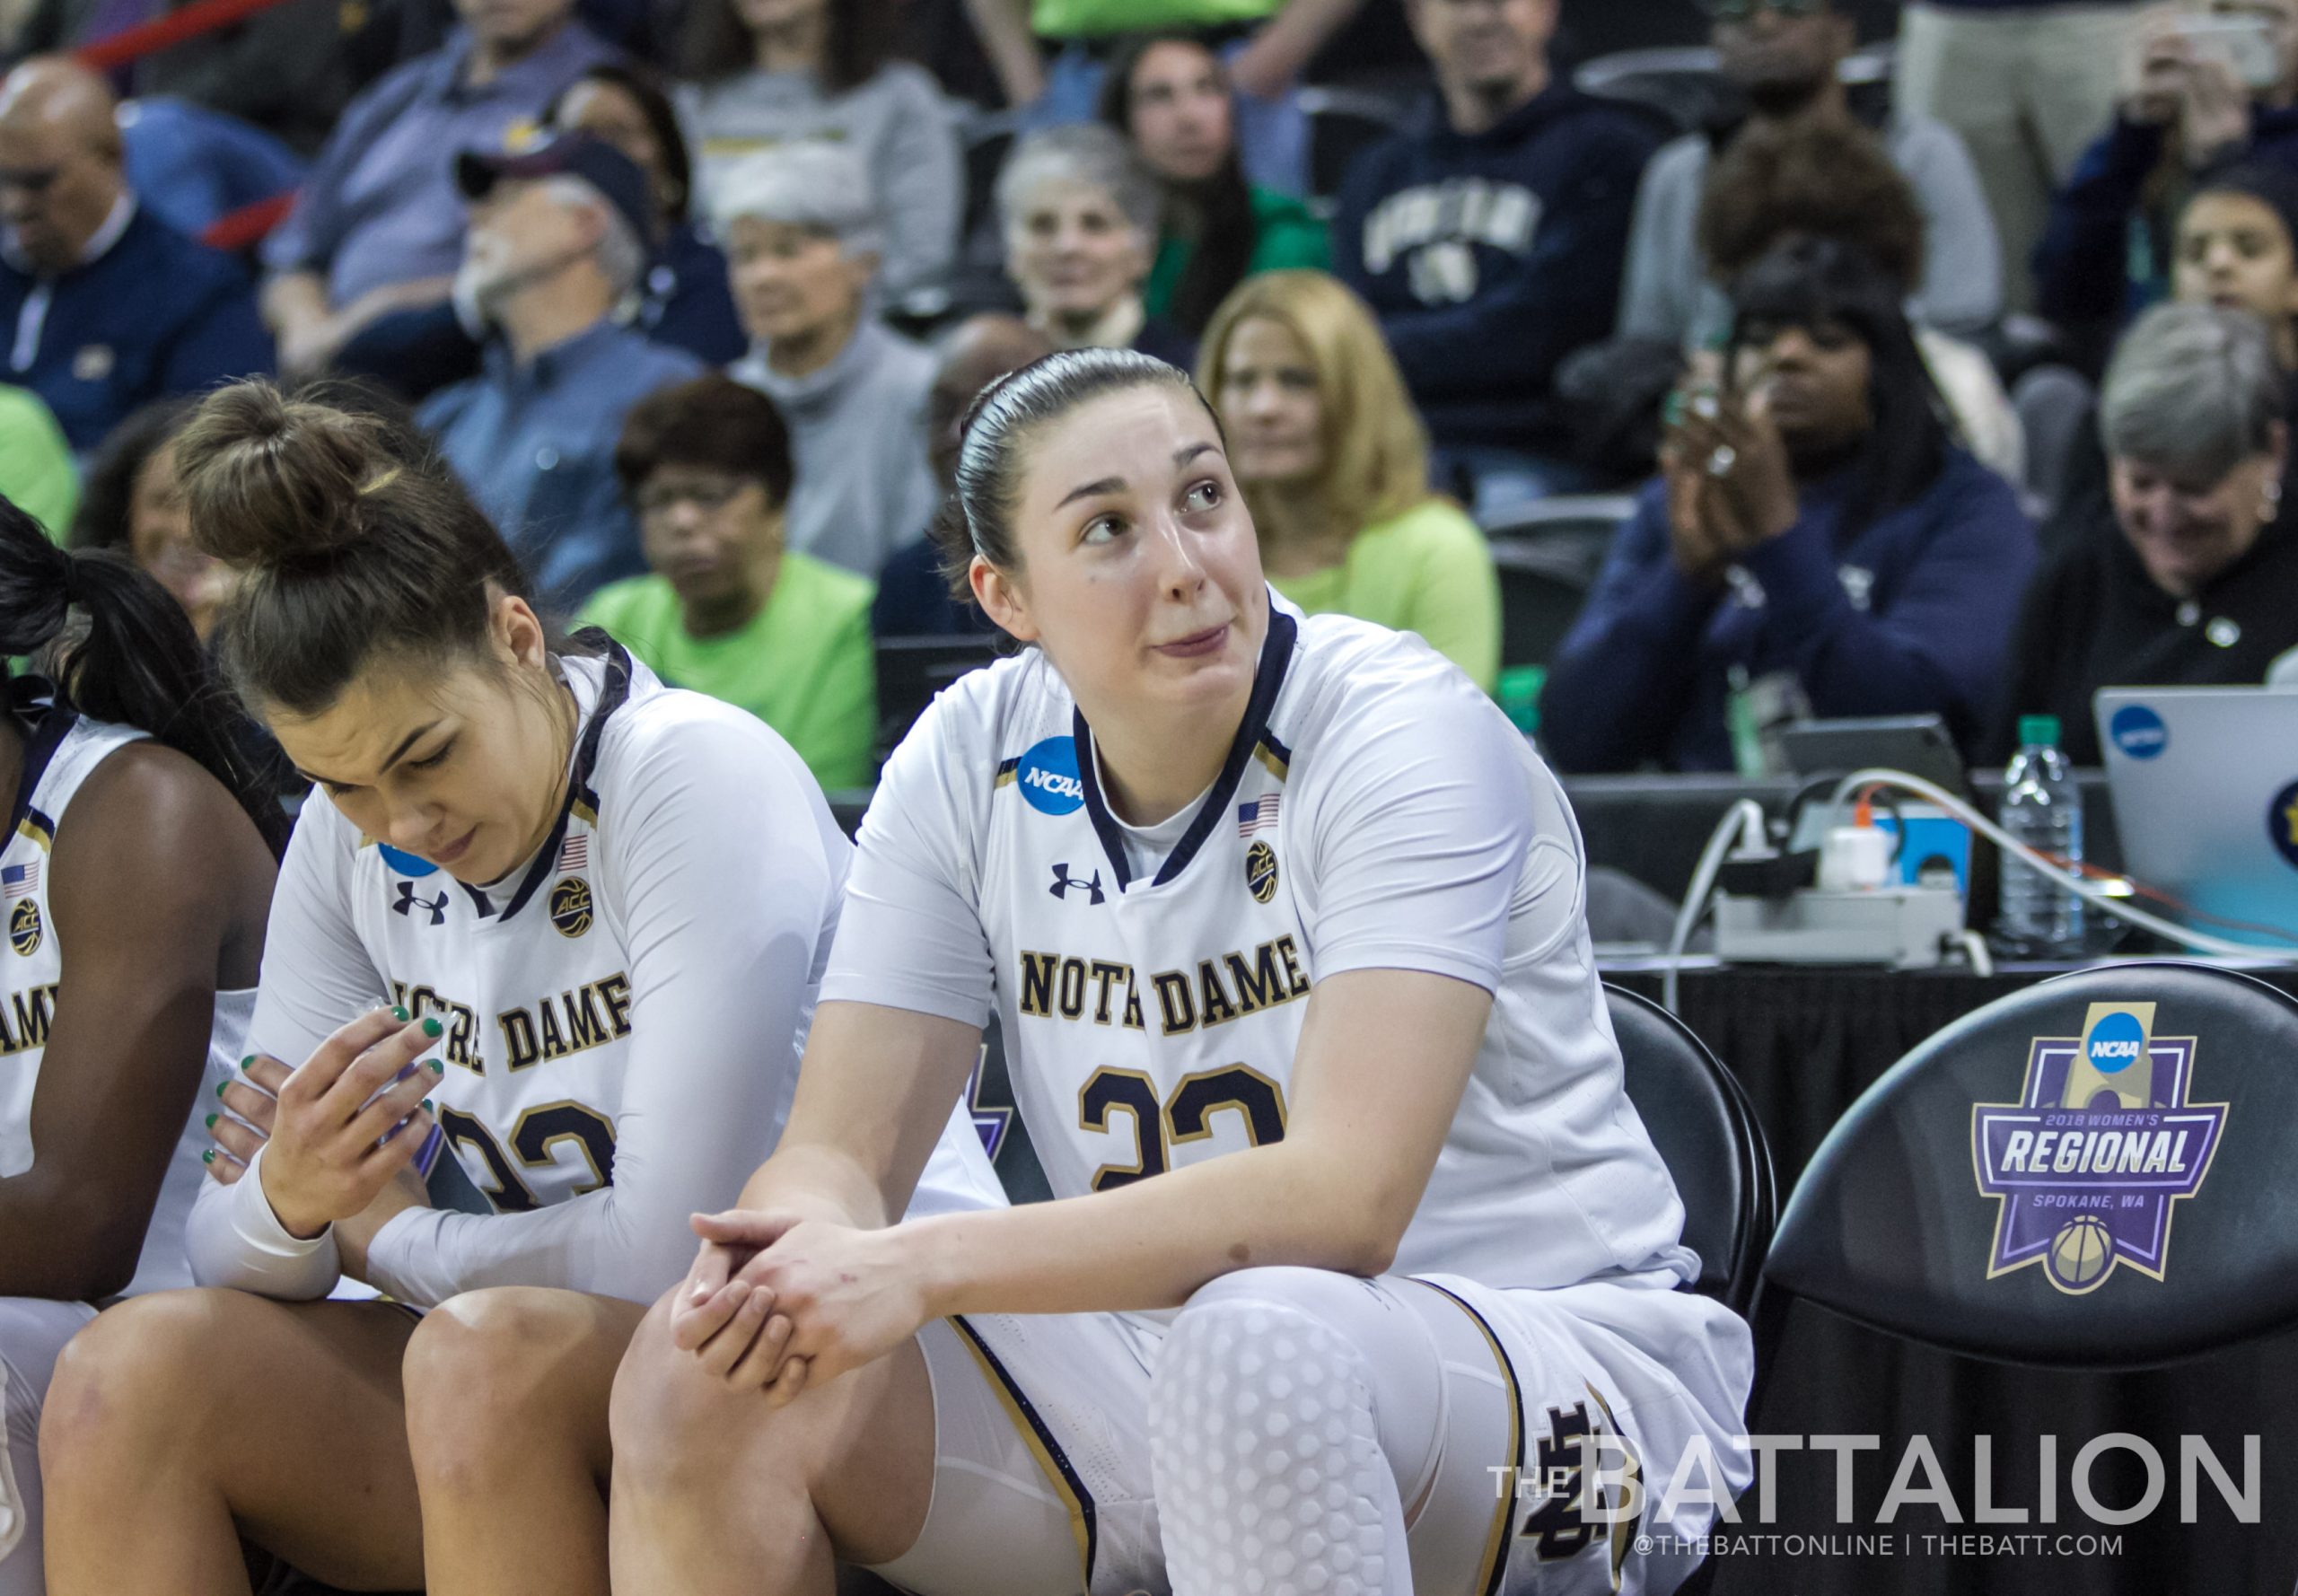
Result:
x=140 y=1375
x=486 y=1378
x=668 y=1418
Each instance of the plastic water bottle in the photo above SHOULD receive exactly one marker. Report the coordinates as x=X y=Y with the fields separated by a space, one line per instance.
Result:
x=2043 y=808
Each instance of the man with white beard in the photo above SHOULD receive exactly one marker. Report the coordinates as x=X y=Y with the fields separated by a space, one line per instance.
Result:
x=558 y=238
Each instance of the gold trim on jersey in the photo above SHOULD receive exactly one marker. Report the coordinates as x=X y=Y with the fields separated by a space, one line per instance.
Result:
x=1008 y=773
x=1055 y=1468
x=1278 y=763
x=1504 y=1517
x=38 y=828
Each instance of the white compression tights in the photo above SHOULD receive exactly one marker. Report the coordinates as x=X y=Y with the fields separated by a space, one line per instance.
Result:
x=1294 y=1416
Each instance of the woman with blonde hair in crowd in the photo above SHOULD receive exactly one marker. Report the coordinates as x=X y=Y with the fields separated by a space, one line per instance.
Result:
x=1334 y=465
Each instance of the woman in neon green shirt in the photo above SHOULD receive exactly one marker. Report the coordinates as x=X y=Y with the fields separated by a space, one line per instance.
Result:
x=729 y=611
x=1171 y=96
x=1334 y=465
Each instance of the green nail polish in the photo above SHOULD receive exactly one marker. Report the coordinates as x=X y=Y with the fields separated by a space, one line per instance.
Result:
x=212 y=1118
x=438 y=1068
x=220 y=1086
x=427 y=1105
x=431 y=1026
x=248 y=1062
x=208 y=1156
x=399 y=1014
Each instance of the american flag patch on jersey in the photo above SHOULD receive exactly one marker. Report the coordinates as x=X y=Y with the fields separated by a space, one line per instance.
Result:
x=575 y=855
x=17 y=881
x=1261 y=816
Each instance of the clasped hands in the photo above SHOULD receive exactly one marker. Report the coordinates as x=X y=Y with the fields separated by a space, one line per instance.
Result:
x=1730 y=486
x=781 y=1300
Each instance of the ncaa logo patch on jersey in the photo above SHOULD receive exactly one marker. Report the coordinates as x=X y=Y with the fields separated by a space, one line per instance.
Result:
x=24 y=929
x=1047 y=777
x=570 y=906
x=1260 y=872
x=406 y=864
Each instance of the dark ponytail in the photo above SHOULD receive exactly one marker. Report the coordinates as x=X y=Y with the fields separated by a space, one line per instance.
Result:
x=135 y=664
x=977 y=515
x=351 y=540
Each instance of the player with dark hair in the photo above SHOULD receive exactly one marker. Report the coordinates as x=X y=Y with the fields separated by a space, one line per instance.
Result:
x=1282 y=923
x=597 y=909
x=138 y=838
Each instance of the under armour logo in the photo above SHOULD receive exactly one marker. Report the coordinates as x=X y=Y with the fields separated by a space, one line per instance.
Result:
x=408 y=899
x=1063 y=881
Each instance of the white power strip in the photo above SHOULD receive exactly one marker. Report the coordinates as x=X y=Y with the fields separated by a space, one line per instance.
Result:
x=1904 y=927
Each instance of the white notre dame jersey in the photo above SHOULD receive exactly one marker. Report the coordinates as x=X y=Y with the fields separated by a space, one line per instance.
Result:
x=1375 y=810
x=62 y=751
x=622 y=1016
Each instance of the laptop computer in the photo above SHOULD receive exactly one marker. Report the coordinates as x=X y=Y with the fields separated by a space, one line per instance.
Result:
x=2205 y=783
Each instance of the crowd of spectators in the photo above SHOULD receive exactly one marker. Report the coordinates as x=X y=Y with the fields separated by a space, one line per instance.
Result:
x=693 y=298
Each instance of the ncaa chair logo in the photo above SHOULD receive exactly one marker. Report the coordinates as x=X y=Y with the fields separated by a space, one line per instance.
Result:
x=2138 y=732
x=2086 y=1165
x=1047 y=777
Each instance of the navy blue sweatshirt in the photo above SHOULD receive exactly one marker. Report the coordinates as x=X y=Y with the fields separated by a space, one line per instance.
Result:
x=153 y=316
x=2091 y=267
x=1914 y=614
x=1490 y=256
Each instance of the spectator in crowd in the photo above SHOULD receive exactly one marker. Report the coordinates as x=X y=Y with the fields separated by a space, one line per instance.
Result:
x=1817 y=545
x=2026 y=83
x=106 y=307
x=1783 y=56
x=916 y=597
x=2189 y=576
x=135 y=504
x=1169 y=94
x=2237 y=248
x=1269 y=44
x=729 y=611
x=379 y=227
x=1830 y=179
x=2187 y=112
x=767 y=72
x=35 y=472
x=558 y=236
x=1080 y=214
x=801 y=232
x=1334 y=465
x=285 y=68
x=1490 y=241
x=684 y=301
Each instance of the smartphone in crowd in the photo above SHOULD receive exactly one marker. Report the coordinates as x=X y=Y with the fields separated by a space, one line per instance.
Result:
x=2244 y=43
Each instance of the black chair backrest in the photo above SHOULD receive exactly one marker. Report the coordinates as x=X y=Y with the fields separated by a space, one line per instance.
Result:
x=1706 y=1131
x=1542 y=593
x=2088 y=1174
x=912 y=670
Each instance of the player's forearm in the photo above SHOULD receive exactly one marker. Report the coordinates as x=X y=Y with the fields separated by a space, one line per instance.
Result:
x=823 y=1181
x=1151 y=1244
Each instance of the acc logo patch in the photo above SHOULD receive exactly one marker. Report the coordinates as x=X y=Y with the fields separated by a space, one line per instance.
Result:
x=2087 y=1164
x=1047 y=777
x=1260 y=872
x=570 y=906
x=2282 y=824
x=2139 y=731
x=24 y=929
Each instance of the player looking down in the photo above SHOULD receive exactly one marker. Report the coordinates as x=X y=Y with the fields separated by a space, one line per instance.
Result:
x=138 y=838
x=597 y=910
x=1282 y=924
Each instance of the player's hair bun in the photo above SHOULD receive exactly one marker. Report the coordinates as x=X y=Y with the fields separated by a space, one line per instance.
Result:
x=270 y=481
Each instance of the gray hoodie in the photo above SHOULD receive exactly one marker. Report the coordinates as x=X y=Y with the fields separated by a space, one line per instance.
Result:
x=862 y=485
x=898 y=122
